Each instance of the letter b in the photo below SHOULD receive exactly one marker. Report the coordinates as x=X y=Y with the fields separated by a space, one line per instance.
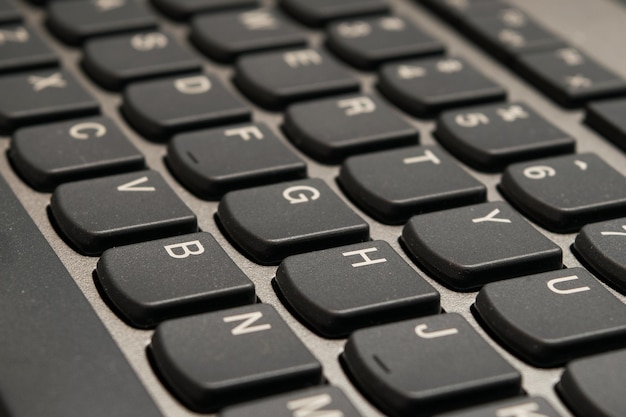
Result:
x=184 y=250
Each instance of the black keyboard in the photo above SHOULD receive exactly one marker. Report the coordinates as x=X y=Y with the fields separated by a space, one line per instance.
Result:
x=312 y=208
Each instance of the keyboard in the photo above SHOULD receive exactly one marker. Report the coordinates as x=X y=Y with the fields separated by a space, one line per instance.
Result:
x=312 y=208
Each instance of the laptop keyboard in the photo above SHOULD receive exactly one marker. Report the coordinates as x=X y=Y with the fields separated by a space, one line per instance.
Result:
x=302 y=208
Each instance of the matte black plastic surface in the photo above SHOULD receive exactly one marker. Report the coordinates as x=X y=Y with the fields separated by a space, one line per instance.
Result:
x=320 y=12
x=22 y=48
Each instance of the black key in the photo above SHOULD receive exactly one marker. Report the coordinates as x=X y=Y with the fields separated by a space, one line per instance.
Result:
x=490 y=137
x=217 y=359
x=394 y=185
x=569 y=77
x=607 y=118
x=21 y=48
x=41 y=96
x=117 y=60
x=456 y=10
x=311 y=217
x=491 y=243
x=183 y=9
x=603 y=247
x=195 y=101
x=339 y=290
x=162 y=279
x=551 y=318
x=426 y=86
x=73 y=21
x=213 y=162
x=320 y=12
x=9 y=12
x=101 y=213
x=275 y=79
x=323 y=402
x=49 y=155
x=224 y=36
x=424 y=366
x=59 y=350
x=595 y=386
x=332 y=129
x=518 y=407
x=366 y=43
x=566 y=192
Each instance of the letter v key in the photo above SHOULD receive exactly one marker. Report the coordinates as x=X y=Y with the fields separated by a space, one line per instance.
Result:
x=132 y=186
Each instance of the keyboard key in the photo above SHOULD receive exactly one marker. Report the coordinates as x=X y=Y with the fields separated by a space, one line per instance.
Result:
x=21 y=48
x=275 y=79
x=366 y=43
x=425 y=366
x=456 y=10
x=606 y=117
x=52 y=154
x=329 y=130
x=73 y=21
x=98 y=214
x=117 y=60
x=603 y=247
x=183 y=9
x=339 y=290
x=216 y=359
x=58 y=350
x=518 y=407
x=320 y=12
x=326 y=401
x=566 y=192
x=551 y=318
x=491 y=243
x=426 y=86
x=41 y=96
x=158 y=280
x=595 y=386
x=213 y=162
x=9 y=12
x=384 y=184
x=195 y=101
x=224 y=36
x=491 y=137
x=569 y=77
x=311 y=217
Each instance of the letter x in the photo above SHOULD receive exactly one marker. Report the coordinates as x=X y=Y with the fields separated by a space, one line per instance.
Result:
x=53 y=80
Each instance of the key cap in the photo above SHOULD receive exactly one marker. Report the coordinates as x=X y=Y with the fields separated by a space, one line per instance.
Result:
x=196 y=101
x=339 y=290
x=594 y=386
x=603 y=247
x=72 y=366
x=40 y=96
x=118 y=60
x=366 y=43
x=606 y=117
x=554 y=317
x=311 y=217
x=383 y=361
x=320 y=12
x=225 y=36
x=98 y=214
x=491 y=242
x=184 y=9
x=74 y=21
x=214 y=359
x=215 y=161
x=426 y=86
x=491 y=137
x=564 y=193
x=324 y=402
x=52 y=154
x=518 y=407
x=275 y=79
x=455 y=10
x=162 y=279
x=392 y=186
x=569 y=77
x=21 y=48
x=329 y=130
x=9 y=12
